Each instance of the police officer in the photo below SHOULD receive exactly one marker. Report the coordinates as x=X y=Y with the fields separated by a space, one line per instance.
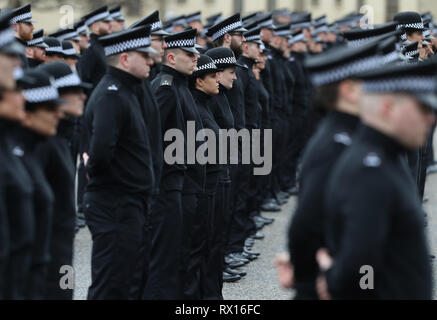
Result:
x=176 y=106
x=118 y=22
x=22 y=23
x=119 y=168
x=54 y=50
x=340 y=95
x=35 y=52
x=57 y=156
x=378 y=222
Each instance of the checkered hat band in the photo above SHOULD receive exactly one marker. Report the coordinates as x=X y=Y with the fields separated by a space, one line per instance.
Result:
x=410 y=84
x=127 y=45
x=35 y=41
x=71 y=80
x=301 y=25
x=69 y=35
x=404 y=37
x=266 y=23
x=298 y=38
x=21 y=17
x=6 y=37
x=345 y=71
x=285 y=33
x=414 y=26
x=69 y=52
x=253 y=38
x=42 y=94
x=226 y=29
x=228 y=60
x=54 y=49
x=321 y=29
x=184 y=43
x=321 y=21
x=207 y=66
x=180 y=22
x=81 y=29
x=358 y=42
x=412 y=53
x=156 y=25
x=427 y=33
x=194 y=18
x=389 y=58
x=116 y=14
x=97 y=17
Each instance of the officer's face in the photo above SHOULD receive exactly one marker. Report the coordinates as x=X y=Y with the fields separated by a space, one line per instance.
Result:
x=84 y=42
x=157 y=43
x=237 y=41
x=12 y=105
x=25 y=30
x=7 y=71
x=266 y=35
x=139 y=64
x=412 y=122
x=117 y=26
x=71 y=62
x=104 y=28
x=253 y=50
x=39 y=54
x=227 y=77
x=416 y=36
x=197 y=25
x=210 y=84
x=75 y=100
x=185 y=62
x=54 y=58
x=262 y=59
x=44 y=120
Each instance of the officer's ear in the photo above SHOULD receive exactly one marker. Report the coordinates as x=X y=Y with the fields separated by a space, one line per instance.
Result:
x=227 y=38
x=171 y=57
x=124 y=59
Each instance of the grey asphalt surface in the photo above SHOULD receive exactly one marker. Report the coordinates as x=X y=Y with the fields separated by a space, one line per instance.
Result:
x=261 y=281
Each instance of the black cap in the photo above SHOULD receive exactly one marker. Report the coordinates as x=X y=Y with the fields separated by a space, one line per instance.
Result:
x=179 y=21
x=223 y=57
x=357 y=36
x=214 y=19
x=153 y=21
x=265 y=21
x=38 y=40
x=63 y=76
x=137 y=39
x=283 y=31
x=66 y=34
x=342 y=63
x=197 y=16
x=6 y=32
x=297 y=36
x=185 y=40
x=205 y=65
x=388 y=50
x=253 y=35
x=418 y=80
x=411 y=51
x=409 y=20
x=54 y=46
x=80 y=27
x=320 y=21
x=231 y=24
x=101 y=14
x=68 y=50
x=116 y=14
x=41 y=90
x=249 y=16
x=22 y=14
x=304 y=21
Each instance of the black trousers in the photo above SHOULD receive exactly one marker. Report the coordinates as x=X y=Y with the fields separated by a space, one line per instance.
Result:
x=165 y=278
x=117 y=223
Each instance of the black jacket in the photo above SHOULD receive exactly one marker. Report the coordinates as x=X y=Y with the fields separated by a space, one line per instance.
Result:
x=177 y=108
x=17 y=228
x=236 y=101
x=120 y=157
x=251 y=105
x=302 y=88
x=306 y=234
x=23 y=58
x=375 y=218
x=33 y=63
x=279 y=101
x=264 y=101
x=213 y=171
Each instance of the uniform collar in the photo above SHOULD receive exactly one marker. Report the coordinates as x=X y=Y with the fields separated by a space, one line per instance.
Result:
x=125 y=77
x=248 y=61
x=200 y=96
x=390 y=145
x=348 y=121
x=176 y=74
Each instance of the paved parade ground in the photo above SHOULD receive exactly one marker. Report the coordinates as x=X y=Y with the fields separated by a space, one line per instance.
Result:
x=261 y=281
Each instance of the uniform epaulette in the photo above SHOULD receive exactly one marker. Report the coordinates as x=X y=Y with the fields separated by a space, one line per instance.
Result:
x=166 y=80
x=372 y=160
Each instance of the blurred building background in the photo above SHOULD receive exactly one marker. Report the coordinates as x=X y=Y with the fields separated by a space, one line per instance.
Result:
x=51 y=13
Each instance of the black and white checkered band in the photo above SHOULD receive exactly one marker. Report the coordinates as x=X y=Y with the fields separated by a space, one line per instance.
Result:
x=116 y=14
x=69 y=35
x=156 y=25
x=71 y=80
x=413 y=53
x=97 y=17
x=267 y=23
x=42 y=94
x=127 y=45
x=35 y=41
x=415 y=84
x=298 y=38
x=390 y=57
x=197 y=17
x=321 y=29
x=69 y=52
x=226 y=29
x=181 y=21
x=417 y=25
x=282 y=33
x=404 y=37
x=253 y=38
x=55 y=49
x=226 y=61
x=427 y=33
x=345 y=71
x=6 y=37
x=301 y=25
x=184 y=43
x=207 y=66
x=21 y=17
x=81 y=29
x=358 y=42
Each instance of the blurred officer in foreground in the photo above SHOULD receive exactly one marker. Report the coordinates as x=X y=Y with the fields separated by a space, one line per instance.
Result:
x=35 y=51
x=378 y=223
x=119 y=168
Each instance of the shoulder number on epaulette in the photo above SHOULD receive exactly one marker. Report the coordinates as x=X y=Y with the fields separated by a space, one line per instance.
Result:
x=372 y=160
x=166 y=80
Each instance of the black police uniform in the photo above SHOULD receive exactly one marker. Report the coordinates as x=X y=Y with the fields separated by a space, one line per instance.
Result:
x=27 y=141
x=18 y=213
x=306 y=233
x=374 y=218
x=121 y=180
